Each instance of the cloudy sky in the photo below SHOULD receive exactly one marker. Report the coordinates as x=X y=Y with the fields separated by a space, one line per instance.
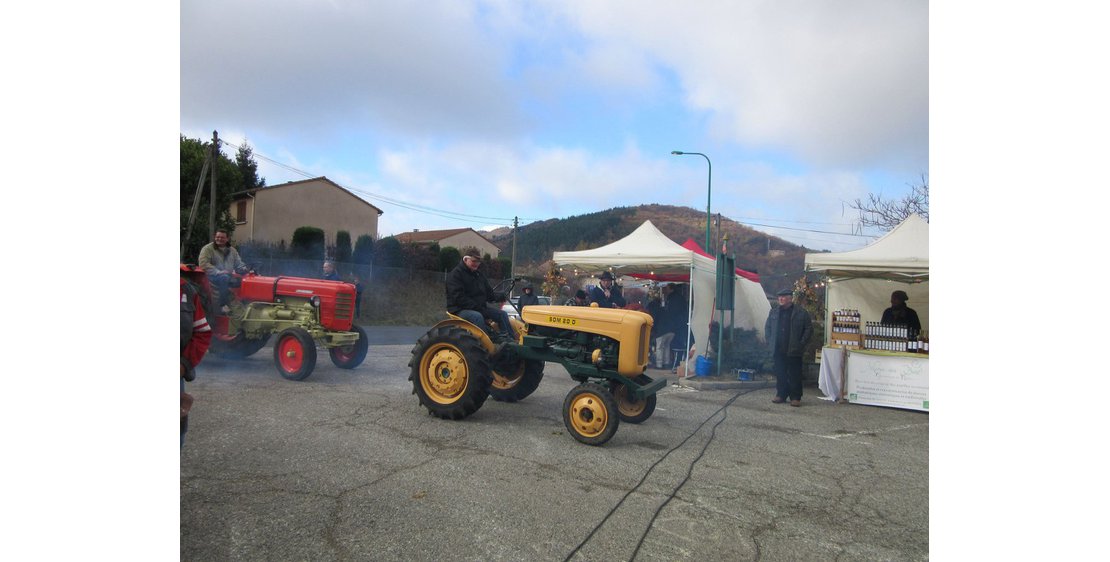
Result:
x=467 y=113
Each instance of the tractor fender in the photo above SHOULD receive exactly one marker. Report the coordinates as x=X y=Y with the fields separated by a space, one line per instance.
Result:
x=458 y=322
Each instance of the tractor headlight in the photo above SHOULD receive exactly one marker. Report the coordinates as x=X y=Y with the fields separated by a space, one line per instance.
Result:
x=314 y=301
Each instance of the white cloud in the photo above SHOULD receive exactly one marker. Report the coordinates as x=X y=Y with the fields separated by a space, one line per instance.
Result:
x=315 y=68
x=495 y=109
x=833 y=82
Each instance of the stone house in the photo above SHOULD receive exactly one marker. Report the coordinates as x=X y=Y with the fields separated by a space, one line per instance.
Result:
x=272 y=213
x=456 y=237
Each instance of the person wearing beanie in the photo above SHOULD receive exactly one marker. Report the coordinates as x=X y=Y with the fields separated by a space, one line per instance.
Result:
x=899 y=314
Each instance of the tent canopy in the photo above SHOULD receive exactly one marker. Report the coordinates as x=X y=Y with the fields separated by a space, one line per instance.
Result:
x=648 y=253
x=645 y=251
x=900 y=255
x=689 y=244
x=863 y=279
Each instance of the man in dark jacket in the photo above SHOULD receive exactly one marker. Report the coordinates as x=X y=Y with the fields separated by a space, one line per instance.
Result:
x=788 y=329
x=605 y=294
x=527 y=298
x=468 y=291
x=901 y=315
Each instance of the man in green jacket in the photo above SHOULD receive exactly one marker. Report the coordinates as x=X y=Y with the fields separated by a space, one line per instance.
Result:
x=788 y=330
x=219 y=260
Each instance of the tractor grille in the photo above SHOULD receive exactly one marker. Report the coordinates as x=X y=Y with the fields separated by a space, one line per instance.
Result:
x=344 y=307
x=645 y=344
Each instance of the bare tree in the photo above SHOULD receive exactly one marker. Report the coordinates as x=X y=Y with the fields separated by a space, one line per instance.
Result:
x=887 y=214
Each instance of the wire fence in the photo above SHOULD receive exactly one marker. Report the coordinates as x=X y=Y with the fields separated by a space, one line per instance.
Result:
x=388 y=295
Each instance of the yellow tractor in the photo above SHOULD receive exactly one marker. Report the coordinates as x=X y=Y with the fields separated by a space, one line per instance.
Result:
x=455 y=367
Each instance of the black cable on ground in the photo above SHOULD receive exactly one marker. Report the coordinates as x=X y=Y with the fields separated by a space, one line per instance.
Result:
x=655 y=464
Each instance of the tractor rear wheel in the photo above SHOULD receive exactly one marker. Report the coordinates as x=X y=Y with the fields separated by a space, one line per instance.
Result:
x=450 y=372
x=518 y=384
x=351 y=356
x=295 y=354
x=633 y=411
x=590 y=413
x=239 y=347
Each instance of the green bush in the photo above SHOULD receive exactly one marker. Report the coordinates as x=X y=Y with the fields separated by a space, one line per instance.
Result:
x=388 y=253
x=364 y=250
x=308 y=243
x=343 y=246
x=449 y=257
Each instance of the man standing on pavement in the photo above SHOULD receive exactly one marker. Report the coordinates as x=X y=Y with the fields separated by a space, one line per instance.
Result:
x=788 y=329
x=219 y=260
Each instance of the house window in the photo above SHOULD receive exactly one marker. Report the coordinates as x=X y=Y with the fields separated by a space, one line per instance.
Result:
x=241 y=212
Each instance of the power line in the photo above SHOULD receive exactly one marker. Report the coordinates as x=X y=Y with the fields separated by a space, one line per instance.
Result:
x=465 y=217
x=805 y=230
x=376 y=197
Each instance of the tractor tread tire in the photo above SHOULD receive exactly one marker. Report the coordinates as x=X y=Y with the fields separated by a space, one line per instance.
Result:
x=238 y=348
x=524 y=386
x=460 y=346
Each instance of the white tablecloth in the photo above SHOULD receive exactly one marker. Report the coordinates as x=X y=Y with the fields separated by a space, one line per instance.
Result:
x=832 y=371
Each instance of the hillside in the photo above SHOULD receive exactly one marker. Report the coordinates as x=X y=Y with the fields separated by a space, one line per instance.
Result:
x=777 y=261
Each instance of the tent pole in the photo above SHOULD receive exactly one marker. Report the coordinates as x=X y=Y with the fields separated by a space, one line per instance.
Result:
x=689 y=319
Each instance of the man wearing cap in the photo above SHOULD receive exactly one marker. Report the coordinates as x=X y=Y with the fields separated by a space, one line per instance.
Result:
x=468 y=291
x=606 y=295
x=788 y=329
x=899 y=314
x=580 y=298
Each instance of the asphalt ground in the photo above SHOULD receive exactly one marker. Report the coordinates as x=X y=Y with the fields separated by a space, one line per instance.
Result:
x=346 y=465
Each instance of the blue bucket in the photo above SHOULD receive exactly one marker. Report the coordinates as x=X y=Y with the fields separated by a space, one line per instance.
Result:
x=702 y=366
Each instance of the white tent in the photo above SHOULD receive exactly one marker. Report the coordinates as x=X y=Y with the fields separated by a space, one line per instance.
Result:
x=647 y=252
x=863 y=279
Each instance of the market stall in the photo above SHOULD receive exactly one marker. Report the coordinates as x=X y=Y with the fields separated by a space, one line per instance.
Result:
x=862 y=361
x=647 y=253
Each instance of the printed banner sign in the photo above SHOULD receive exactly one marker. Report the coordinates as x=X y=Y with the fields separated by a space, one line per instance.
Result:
x=888 y=380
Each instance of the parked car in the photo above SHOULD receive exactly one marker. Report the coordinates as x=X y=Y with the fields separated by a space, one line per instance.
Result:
x=510 y=307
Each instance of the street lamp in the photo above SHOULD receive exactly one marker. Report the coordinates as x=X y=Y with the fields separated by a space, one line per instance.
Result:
x=708 y=196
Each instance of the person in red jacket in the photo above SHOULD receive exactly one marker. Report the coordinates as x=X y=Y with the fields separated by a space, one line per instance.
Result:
x=195 y=338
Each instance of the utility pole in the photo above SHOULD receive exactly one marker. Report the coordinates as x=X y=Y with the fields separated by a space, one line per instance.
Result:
x=212 y=199
x=718 y=249
x=512 y=267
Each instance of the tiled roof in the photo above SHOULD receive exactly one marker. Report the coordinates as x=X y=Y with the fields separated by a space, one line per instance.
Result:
x=431 y=235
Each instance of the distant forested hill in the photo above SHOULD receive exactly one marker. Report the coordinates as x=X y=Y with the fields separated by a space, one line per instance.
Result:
x=777 y=261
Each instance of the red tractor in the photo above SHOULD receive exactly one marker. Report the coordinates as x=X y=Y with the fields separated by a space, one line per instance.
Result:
x=303 y=313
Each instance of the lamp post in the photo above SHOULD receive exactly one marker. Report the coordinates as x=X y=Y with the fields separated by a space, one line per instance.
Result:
x=708 y=196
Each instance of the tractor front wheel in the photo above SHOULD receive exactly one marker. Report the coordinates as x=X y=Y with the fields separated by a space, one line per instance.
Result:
x=351 y=356
x=633 y=411
x=450 y=372
x=590 y=413
x=295 y=354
